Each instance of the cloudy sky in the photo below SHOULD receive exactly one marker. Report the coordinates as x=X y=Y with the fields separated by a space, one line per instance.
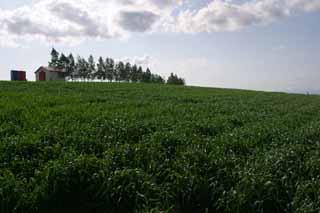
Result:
x=251 y=44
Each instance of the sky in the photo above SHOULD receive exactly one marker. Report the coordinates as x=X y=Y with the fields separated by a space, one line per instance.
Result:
x=271 y=45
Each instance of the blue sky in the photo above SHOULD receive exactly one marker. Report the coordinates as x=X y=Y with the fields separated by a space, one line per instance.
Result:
x=255 y=44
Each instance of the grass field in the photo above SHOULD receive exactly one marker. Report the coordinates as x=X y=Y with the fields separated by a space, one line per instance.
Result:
x=98 y=147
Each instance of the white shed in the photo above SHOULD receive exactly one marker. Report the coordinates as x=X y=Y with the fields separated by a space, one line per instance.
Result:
x=50 y=74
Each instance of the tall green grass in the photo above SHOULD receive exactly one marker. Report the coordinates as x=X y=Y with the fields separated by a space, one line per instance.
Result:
x=99 y=147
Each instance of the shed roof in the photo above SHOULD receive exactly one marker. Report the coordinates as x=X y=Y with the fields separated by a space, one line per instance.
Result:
x=50 y=69
x=18 y=71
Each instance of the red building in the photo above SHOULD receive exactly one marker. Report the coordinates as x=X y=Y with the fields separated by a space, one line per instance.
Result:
x=17 y=75
x=49 y=74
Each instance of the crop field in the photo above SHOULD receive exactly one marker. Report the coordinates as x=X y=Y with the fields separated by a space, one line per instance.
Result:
x=105 y=147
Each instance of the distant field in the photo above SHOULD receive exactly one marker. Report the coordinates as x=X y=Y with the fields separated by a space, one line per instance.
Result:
x=99 y=147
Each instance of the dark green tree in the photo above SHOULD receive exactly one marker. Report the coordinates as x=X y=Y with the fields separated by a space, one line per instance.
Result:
x=174 y=79
x=91 y=68
x=146 y=76
x=100 y=74
x=140 y=74
x=63 y=62
x=157 y=79
x=116 y=73
x=70 y=68
x=54 y=63
x=134 y=73
x=109 y=69
x=82 y=68
x=127 y=70
x=121 y=71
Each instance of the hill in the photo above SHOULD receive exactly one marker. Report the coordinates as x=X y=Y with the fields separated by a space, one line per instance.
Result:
x=100 y=147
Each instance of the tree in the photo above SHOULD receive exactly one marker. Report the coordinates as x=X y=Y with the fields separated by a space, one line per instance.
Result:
x=54 y=63
x=174 y=79
x=100 y=74
x=146 y=76
x=157 y=79
x=140 y=74
x=121 y=71
x=109 y=69
x=82 y=68
x=70 y=68
x=86 y=69
x=134 y=73
x=116 y=73
x=91 y=68
x=63 y=62
x=127 y=72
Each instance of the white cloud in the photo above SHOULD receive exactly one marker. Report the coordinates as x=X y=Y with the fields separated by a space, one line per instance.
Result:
x=57 y=21
x=222 y=15
x=72 y=21
x=144 y=61
x=305 y=5
x=227 y=15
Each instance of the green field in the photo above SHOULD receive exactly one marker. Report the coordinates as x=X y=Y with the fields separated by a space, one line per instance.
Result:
x=102 y=147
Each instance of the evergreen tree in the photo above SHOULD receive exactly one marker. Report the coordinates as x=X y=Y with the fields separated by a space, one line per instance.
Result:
x=146 y=77
x=63 y=62
x=70 y=69
x=121 y=71
x=109 y=69
x=86 y=68
x=91 y=68
x=157 y=79
x=127 y=72
x=82 y=68
x=76 y=73
x=134 y=73
x=174 y=79
x=100 y=74
x=117 y=72
x=140 y=74
x=54 y=63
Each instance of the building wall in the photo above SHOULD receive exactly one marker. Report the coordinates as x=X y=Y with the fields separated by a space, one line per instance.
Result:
x=54 y=76
x=18 y=75
x=38 y=75
x=51 y=76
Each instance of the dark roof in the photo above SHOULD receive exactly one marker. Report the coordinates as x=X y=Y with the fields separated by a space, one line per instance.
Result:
x=18 y=71
x=50 y=69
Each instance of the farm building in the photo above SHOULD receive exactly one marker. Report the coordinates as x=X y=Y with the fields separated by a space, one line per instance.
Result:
x=17 y=75
x=50 y=74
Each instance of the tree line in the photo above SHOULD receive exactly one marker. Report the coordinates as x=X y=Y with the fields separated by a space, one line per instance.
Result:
x=106 y=69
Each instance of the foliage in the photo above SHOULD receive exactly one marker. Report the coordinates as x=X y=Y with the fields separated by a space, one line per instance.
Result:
x=55 y=60
x=70 y=67
x=174 y=79
x=104 y=69
x=100 y=73
x=91 y=67
x=95 y=147
x=109 y=69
